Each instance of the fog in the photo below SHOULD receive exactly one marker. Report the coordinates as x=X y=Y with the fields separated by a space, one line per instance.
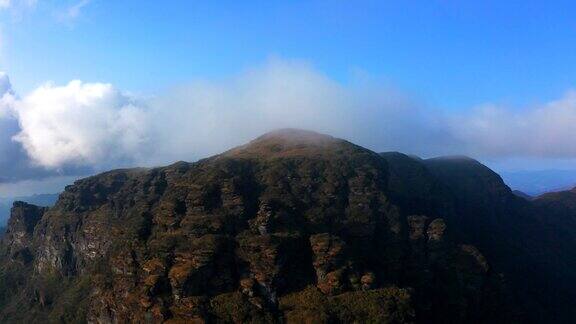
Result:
x=84 y=127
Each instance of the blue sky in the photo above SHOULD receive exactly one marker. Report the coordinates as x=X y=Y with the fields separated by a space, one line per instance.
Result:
x=90 y=85
x=453 y=54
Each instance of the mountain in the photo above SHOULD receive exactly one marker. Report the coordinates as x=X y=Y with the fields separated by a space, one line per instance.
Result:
x=529 y=244
x=559 y=209
x=293 y=227
x=522 y=194
x=559 y=203
x=520 y=239
x=39 y=199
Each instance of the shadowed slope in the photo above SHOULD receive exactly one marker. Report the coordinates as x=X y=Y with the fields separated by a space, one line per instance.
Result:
x=294 y=226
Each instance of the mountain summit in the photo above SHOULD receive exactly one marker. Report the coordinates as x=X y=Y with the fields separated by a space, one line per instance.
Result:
x=290 y=143
x=293 y=227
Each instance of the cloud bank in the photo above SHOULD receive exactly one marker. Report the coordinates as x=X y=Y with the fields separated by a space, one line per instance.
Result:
x=547 y=131
x=15 y=161
x=84 y=124
x=63 y=129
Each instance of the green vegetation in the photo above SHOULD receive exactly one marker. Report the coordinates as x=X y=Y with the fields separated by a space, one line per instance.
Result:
x=235 y=308
x=387 y=305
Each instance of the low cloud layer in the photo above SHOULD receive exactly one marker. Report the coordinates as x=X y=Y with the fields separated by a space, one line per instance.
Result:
x=547 y=131
x=72 y=128
x=205 y=118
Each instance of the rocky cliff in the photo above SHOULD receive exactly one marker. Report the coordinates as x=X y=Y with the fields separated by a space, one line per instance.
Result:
x=531 y=243
x=292 y=227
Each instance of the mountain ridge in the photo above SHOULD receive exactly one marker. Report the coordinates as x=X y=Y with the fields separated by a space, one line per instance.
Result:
x=37 y=199
x=294 y=226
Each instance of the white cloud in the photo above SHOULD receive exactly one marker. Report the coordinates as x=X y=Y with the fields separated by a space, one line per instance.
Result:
x=544 y=131
x=73 y=12
x=13 y=160
x=97 y=125
x=5 y=85
x=79 y=123
x=7 y=98
x=94 y=124
x=12 y=4
x=205 y=118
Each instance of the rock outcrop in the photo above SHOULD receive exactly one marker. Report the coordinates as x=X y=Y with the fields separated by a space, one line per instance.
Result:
x=529 y=241
x=19 y=232
x=292 y=227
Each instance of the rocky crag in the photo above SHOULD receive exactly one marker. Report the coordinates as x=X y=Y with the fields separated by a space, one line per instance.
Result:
x=293 y=227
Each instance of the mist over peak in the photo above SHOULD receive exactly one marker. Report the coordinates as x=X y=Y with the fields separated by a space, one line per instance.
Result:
x=82 y=127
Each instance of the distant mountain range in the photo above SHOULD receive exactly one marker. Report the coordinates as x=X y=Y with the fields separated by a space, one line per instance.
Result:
x=294 y=227
x=535 y=183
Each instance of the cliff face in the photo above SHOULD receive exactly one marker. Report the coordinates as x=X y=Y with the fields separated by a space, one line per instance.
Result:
x=561 y=205
x=531 y=242
x=295 y=226
x=19 y=234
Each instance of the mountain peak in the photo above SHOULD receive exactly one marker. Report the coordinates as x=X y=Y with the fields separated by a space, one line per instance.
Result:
x=454 y=158
x=295 y=135
x=290 y=142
